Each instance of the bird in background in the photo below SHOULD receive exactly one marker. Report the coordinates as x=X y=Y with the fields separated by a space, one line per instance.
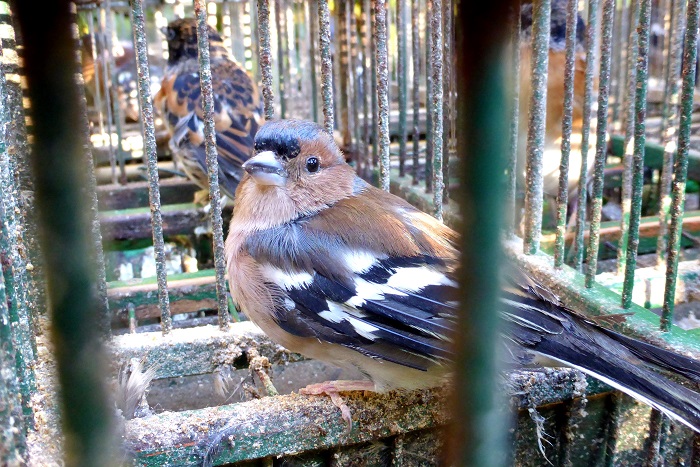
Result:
x=237 y=107
x=551 y=157
x=335 y=269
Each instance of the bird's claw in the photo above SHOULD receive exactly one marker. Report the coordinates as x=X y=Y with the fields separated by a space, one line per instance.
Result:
x=332 y=389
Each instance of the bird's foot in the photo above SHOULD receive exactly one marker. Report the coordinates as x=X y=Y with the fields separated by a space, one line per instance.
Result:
x=333 y=389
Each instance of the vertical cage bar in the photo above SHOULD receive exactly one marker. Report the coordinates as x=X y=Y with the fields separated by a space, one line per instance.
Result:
x=14 y=265
x=478 y=440
x=151 y=159
x=435 y=104
x=115 y=114
x=563 y=194
x=670 y=124
x=64 y=226
x=356 y=83
x=96 y=251
x=447 y=98
x=402 y=74
x=639 y=142
x=601 y=143
x=364 y=25
x=415 y=88
x=373 y=82
x=429 y=6
x=17 y=138
x=658 y=426
x=97 y=75
x=266 y=58
x=324 y=36
x=382 y=64
x=106 y=31
x=541 y=13
x=591 y=27
x=312 y=6
x=12 y=438
x=200 y=10
x=342 y=52
x=628 y=125
x=617 y=49
x=511 y=189
x=680 y=166
x=280 y=26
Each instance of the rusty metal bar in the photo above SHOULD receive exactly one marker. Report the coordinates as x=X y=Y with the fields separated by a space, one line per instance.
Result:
x=628 y=125
x=14 y=265
x=324 y=35
x=601 y=143
x=449 y=117
x=356 y=94
x=266 y=58
x=429 y=148
x=415 y=87
x=541 y=14
x=282 y=54
x=680 y=167
x=382 y=64
x=58 y=169
x=579 y=247
x=200 y=10
x=151 y=158
x=511 y=189
x=96 y=78
x=116 y=114
x=313 y=53
x=402 y=74
x=12 y=431
x=670 y=123
x=563 y=194
x=342 y=52
x=97 y=253
x=435 y=103
x=639 y=141
x=364 y=26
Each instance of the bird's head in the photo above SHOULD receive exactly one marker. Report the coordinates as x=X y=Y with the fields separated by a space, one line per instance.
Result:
x=181 y=35
x=298 y=164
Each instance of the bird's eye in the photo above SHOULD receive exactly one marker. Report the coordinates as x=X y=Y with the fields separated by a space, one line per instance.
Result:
x=312 y=164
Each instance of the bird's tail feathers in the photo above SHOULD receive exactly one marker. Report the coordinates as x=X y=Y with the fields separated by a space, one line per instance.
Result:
x=658 y=391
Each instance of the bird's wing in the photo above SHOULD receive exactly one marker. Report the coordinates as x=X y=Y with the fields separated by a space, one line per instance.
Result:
x=540 y=327
x=236 y=117
x=334 y=285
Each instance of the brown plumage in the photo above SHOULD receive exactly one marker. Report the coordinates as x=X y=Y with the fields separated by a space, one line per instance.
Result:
x=555 y=100
x=335 y=269
x=236 y=107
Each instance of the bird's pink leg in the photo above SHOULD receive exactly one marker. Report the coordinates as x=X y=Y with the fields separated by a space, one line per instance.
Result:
x=333 y=389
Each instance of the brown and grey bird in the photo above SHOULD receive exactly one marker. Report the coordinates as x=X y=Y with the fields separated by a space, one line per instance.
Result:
x=237 y=107
x=551 y=157
x=338 y=270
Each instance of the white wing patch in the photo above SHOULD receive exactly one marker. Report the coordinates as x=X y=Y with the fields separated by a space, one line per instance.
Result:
x=365 y=290
x=417 y=278
x=285 y=279
x=337 y=313
x=359 y=261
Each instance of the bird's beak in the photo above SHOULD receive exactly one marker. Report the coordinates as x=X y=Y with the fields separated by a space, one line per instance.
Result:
x=266 y=169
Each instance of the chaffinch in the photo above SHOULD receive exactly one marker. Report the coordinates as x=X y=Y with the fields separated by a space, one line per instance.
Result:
x=551 y=157
x=237 y=106
x=338 y=270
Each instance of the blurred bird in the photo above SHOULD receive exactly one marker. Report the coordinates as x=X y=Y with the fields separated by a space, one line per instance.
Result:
x=124 y=72
x=555 y=99
x=236 y=107
x=340 y=271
